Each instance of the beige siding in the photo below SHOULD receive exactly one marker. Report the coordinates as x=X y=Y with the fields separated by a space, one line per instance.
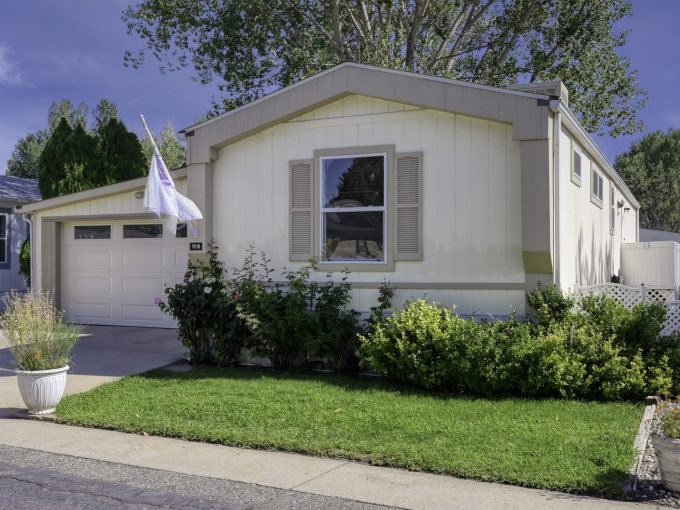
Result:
x=589 y=253
x=471 y=195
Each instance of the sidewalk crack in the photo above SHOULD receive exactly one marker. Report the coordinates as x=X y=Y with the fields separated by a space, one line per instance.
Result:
x=295 y=487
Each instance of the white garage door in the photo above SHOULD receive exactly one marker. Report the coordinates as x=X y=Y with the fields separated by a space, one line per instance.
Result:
x=112 y=271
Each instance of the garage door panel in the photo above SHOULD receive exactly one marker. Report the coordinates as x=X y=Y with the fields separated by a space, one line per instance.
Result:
x=91 y=259
x=149 y=288
x=135 y=258
x=115 y=281
x=80 y=311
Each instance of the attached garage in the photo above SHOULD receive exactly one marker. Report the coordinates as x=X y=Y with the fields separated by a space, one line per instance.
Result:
x=105 y=258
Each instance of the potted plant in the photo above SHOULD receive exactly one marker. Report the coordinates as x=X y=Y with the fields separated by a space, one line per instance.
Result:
x=41 y=344
x=666 y=443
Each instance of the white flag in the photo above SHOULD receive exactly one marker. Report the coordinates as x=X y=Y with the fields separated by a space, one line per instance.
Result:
x=162 y=198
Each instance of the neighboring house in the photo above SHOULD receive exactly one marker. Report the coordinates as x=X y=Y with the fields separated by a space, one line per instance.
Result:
x=14 y=229
x=467 y=194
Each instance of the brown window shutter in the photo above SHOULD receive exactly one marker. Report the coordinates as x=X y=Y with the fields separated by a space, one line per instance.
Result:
x=408 y=206
x=301 y=210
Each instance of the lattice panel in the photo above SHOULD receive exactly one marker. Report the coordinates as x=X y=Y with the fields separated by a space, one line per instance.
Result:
x=629 y=296
x=672 y=318
x=661 y=295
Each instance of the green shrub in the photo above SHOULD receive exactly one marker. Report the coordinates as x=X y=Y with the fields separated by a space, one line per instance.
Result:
x=670 y=420
x=203 y=305
x=25 y=261
x=587 y=353
x=293 y=322
x=551 y=304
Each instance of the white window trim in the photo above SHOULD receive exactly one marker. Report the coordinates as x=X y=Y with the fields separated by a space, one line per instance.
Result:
x=576 y=179
x=5 y=259
x=383 y=209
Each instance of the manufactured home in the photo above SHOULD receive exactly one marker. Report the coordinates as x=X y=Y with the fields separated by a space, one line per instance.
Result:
x=466 y=194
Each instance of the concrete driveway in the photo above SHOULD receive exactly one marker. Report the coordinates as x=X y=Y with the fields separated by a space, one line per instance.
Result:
x=103 y=354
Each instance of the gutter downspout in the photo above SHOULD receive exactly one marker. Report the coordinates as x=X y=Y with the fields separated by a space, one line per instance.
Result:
x=554 y=106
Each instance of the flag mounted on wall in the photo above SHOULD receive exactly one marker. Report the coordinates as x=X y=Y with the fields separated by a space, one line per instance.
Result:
x=161 y=197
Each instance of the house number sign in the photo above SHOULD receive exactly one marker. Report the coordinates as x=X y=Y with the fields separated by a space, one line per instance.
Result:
x=195 y=246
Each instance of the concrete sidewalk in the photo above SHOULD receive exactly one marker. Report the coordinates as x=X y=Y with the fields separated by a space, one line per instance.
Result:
x=326 y=477
x=105 y=354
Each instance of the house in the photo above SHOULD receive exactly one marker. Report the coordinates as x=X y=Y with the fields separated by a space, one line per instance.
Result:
x=467 y=194
x=14 y=229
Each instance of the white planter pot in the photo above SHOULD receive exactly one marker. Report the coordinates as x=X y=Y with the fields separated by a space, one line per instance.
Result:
x=668 y=459
x=42 y=389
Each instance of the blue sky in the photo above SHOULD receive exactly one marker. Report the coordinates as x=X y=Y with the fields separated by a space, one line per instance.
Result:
x=73 y=50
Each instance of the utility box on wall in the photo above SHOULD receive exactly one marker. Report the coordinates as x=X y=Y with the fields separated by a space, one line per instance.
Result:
x=653 y=264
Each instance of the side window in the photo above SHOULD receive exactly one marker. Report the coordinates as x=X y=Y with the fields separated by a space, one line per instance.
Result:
x=597 y=191
x=576 y=165
x=612 y=209
x=4 y=233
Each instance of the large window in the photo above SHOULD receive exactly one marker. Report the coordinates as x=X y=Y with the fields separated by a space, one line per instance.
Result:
x=353 y=195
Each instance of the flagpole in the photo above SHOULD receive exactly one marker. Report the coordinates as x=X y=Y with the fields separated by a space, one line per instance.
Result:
x=148 y=132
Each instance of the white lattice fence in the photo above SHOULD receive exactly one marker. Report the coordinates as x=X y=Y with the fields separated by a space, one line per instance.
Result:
x=631 y=296
x=672 y=318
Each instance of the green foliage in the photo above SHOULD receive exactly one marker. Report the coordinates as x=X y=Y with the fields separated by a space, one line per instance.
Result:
x=74 y=160
x=293 y=322
x=24 y=159
x=206 y=314
x=550 y=304
x=104 y=112
x=37 y=336
x=65 y=110
x=651 y=169
x=169 y=145
x=588 y=348
x=25 y=261
x=120 y=156
x=288 y=323
x=257 y=46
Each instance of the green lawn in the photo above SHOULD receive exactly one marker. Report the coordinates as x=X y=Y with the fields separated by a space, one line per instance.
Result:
x=572 y=446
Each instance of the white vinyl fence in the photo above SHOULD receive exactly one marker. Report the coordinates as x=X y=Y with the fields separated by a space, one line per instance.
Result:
x=631 y=296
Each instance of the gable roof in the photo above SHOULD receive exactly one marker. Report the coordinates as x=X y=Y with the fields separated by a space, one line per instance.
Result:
x=18 y=189
x=526 y=111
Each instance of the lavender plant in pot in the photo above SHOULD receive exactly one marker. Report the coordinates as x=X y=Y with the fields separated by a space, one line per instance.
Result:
x=41 y=343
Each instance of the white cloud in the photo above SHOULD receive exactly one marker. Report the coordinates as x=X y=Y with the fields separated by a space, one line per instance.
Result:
x=9 y=73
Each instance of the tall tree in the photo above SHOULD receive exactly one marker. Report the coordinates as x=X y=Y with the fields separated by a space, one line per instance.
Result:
x=66 y=156
x=120 y=156
x=651 y=169
x=102 y=114
x=250 y=47
x=169 y=145
x=24 y=159
x=64 y=110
